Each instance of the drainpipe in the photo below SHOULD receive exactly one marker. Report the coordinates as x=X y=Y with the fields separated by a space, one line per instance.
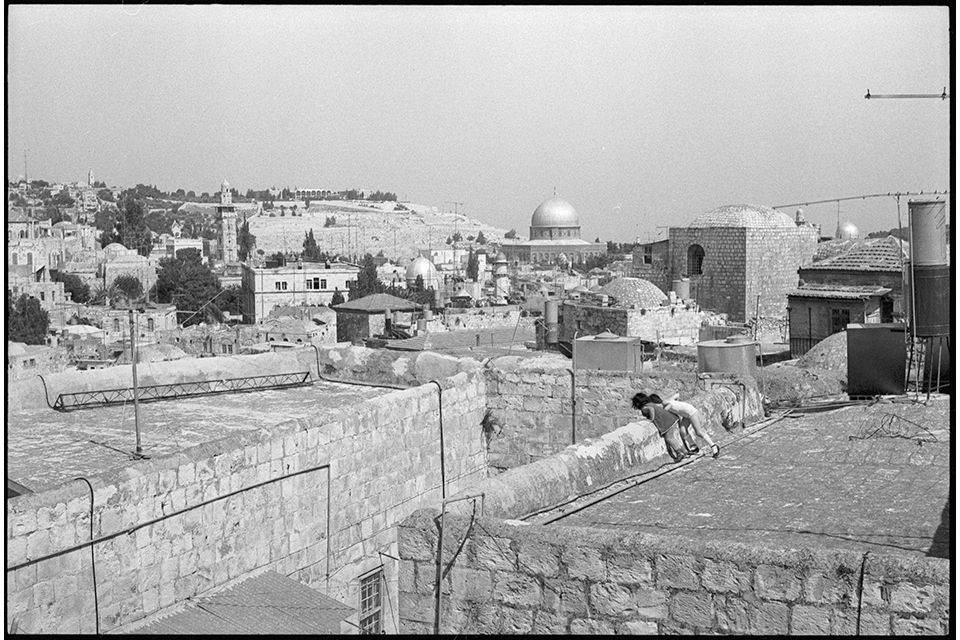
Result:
x=443 y=475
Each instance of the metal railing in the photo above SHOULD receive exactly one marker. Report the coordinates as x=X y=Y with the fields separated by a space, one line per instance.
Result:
x=152 y=393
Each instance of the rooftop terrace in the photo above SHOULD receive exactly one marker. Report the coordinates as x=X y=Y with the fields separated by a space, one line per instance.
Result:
x=863 y=477
x=46 y=448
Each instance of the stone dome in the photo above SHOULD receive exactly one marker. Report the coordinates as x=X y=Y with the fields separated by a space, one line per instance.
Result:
x=555 y=212
x=634 y=291
x=744 y=215
x=224 y=185
x=501 y=257
x=421 y=267
x=848 y=231
x=114 y=248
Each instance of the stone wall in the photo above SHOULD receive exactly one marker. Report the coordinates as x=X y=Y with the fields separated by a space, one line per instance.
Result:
x=773 y=257
x=532 y=405
x=674 y=324
x=721 y=288
x=170 y=528
x=514 y=578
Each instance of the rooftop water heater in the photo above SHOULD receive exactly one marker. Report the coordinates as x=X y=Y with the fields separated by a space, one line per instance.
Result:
x=608 y=352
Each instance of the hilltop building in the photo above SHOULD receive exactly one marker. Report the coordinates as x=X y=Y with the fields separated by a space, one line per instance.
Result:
x=554 y=233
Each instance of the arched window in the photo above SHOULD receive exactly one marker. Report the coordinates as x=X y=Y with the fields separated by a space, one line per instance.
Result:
x=150 y=324
x=695 y=260
x=116 y=324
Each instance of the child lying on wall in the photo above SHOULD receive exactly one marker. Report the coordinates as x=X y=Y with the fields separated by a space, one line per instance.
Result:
x=672 y=425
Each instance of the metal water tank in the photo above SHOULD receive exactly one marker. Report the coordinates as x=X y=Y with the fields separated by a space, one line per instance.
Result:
x=428 y=314
x=927 y=299
x=928 y=232
x=736 y=354
x=421 y=325
x=682 y=288
x=551 y=319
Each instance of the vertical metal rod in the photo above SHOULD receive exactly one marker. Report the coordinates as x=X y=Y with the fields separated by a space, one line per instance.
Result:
x=329 y=511
x=136 y=393
x=939 y=360
x=436 y=623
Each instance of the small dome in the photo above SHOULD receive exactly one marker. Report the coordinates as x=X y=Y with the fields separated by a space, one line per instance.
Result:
x=634 y=291
x=421 y=267
x=848 y=231
x=114 y=248
x=744 y=215
x=555 y=212
x=224 y=185
x=501 y=257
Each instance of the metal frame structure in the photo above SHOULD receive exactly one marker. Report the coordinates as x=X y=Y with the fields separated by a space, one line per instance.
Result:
x=150 y=393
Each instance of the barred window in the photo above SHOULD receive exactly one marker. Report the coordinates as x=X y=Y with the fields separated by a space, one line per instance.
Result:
x=371 y=601
x=839 y=319
x=695 y=255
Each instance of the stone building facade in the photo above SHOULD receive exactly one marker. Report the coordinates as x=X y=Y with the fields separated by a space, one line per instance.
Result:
x=737 y=254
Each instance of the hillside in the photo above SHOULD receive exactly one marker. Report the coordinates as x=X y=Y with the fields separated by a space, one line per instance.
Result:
x=365 y=228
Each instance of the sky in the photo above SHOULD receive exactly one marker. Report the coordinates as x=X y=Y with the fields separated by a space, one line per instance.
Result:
x=640 y=117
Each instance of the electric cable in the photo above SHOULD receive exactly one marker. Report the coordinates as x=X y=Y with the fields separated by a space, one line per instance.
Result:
x=93 y=561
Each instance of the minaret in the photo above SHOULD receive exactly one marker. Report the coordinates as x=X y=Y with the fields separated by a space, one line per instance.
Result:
x=501 y=277
x=228 y=224
x=90 y=179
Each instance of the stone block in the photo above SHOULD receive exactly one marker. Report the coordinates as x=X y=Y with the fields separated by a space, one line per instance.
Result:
x=769 y=618
x=38 y=544
x=417 y=544
x=539 y=559
x=549 y=623
x=810 y=621
x=494 y=554
x=516 y=621
x=872 y=623
x=677 y=572
x=917 y=627
x=777 y=583
x=517 y=589
x=909 y=598
x=724 y=577
x=587 y=626
x=565 y=596
x=471 y=584
x=611 y=600
x=583 y=563
x=638 y=628
x=692 y=609
x=627 y=568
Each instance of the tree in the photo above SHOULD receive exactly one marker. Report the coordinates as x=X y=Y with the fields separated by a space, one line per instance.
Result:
x=473 y=266
x=481 y=239
x=337 y=298
x=510 y=235
x=78 y=289
x=457 y=236
x=246 y=241
x=310 y=249
x=106 y=195
x=129 y=227
x=27 y=322
x=367 y=279
x=449 y=240
x=129 y=286
x=185 y=281
x=331 y=222
x=63 y=199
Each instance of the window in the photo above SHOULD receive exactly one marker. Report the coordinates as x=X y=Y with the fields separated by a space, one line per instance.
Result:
x=116 y=324
x=839 y=319
x=323 y=284
x=150 y=324
x=42 y=296
x=648 y=255
x=370 y=603
x=695 y=256
x=280 y=286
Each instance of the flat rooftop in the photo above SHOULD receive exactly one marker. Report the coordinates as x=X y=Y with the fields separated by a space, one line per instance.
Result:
x=46 y=448
x=864 y=477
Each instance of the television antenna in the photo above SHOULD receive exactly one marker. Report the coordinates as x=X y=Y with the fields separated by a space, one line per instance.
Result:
x=942 y=96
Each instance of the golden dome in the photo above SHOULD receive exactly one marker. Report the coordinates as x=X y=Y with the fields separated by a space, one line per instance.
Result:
x=555 y=212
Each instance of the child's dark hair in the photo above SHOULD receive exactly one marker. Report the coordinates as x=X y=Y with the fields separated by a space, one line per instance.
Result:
x=654 y=398
x=640 y=400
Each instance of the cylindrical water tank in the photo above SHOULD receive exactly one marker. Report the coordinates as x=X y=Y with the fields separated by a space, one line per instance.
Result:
x=421 y=325
x=928 y=232
x=551 y=319
x=682 y=288
x=428 y=314
x=927 y=299
x=733 y=355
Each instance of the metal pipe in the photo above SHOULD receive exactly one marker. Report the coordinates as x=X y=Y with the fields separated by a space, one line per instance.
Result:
x=45 y=394
x=743 y=386
x=93 y=563
x=573 y=405
x=443 y=475
x=136 y=392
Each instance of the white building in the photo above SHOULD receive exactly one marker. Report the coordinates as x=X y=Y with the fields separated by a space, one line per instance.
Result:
x=310 y=283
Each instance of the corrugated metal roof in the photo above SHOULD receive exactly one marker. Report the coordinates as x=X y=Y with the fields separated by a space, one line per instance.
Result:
x=265 y=604
x=838 y=292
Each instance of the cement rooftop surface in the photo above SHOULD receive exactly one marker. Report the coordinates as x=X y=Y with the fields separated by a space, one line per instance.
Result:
x=859 y=478
x=46 y=448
